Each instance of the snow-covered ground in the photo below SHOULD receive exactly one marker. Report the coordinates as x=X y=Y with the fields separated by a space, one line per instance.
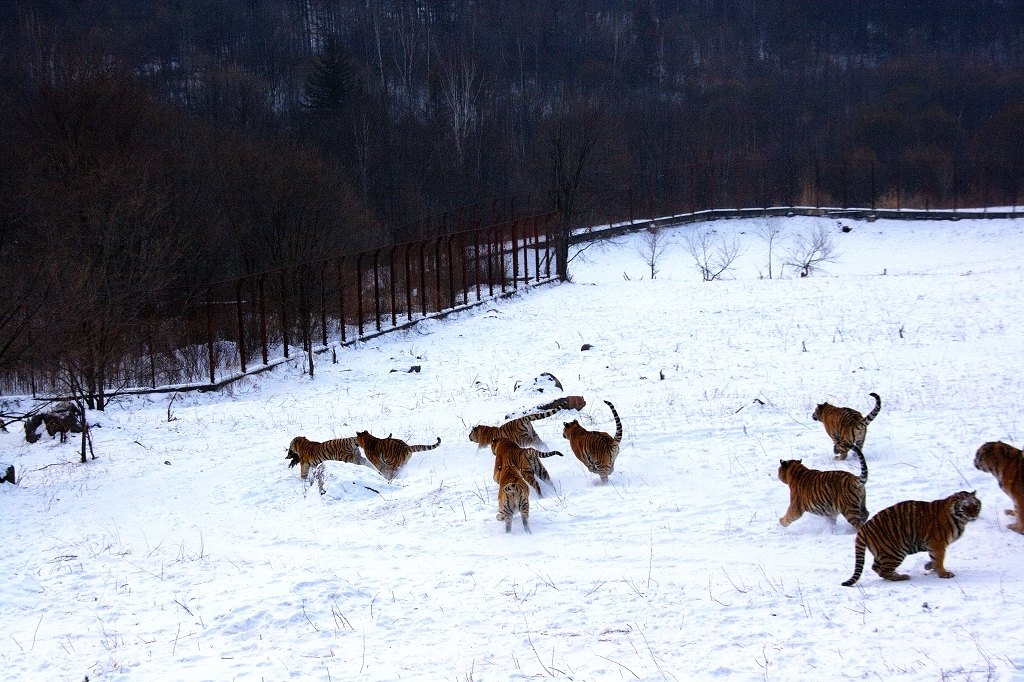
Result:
x=189 y=550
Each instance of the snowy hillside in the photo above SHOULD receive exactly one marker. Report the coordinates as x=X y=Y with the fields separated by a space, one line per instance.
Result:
x=189 y=550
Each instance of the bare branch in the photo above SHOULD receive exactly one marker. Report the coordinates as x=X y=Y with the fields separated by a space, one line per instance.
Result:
x=651 y=247
x=810 y=251
x=711 y=254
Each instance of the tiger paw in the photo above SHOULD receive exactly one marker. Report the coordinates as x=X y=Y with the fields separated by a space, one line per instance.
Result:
x=946 y=574
x=1016 y=527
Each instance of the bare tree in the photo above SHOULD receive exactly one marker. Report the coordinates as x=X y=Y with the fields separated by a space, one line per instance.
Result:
x=711 y=254
x=460 y=92
x=652 y=246
x=101 y=211
x=810 y=250
x=770 y=231
x=572 y=138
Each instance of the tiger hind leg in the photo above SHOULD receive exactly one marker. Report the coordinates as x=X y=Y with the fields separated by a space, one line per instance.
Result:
x=532 y=480
x=840 y=450
x=887 y=569
x=542 y=474
x=507 y=518
x=856 y=518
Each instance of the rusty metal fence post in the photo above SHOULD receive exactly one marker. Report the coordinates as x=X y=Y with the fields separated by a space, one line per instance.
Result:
x=263 y=320
x=537 y=248
x=341 y=299
x=209 y=334
x=515 y=254
x=438 y=294
x=323 y=307
x=359 y=292
x=499 y=234
x=241 y=325
x=376 y=289
x=408 y=283
x=451 y=272
x=284 y=313
x=423 y=277
x=476 y=259
x=394 y=284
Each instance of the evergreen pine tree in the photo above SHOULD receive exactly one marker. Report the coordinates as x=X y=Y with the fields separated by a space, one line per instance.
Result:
x=332 y=80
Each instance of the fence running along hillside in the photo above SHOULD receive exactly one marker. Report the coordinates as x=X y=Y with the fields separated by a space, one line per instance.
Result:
x=246 y=325
x=238 y=327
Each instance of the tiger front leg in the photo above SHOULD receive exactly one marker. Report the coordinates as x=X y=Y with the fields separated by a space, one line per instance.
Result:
x=938 y=557
x=1018 y=513
x=1016 y=526
x=792 y=514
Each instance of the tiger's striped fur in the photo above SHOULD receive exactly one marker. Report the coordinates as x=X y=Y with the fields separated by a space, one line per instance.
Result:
x=526 y=460
x=389 y=455
x=520 y=431
x=825 y=493
x=513 y=498
x=310 y=453
x=1006 y=463
x=845 y=425
x=596 y=449
x=912 y=526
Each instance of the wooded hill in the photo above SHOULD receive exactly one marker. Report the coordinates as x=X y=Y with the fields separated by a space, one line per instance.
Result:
x=147 y=148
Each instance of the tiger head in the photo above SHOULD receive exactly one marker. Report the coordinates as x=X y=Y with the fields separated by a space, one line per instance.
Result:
x=966 y=505
x=570 y=428
x=478 y=434
x=993 y=457
x=819 y=411
x=787 y=467
x=983 y=460
x=364 y=439
x=292 y=453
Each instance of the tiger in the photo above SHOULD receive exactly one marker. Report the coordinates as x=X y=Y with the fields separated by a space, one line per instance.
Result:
x=596 y=449
x=1006 y=463
x=845 y=425
x=513 y=497
x=63 y=419
x=912 y=526
x=310 y=453
x=520 y=431
x=825 y=493
x=526 y=460
x=389 y=455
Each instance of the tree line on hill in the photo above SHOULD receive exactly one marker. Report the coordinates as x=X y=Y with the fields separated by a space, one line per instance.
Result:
x=149 y=148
